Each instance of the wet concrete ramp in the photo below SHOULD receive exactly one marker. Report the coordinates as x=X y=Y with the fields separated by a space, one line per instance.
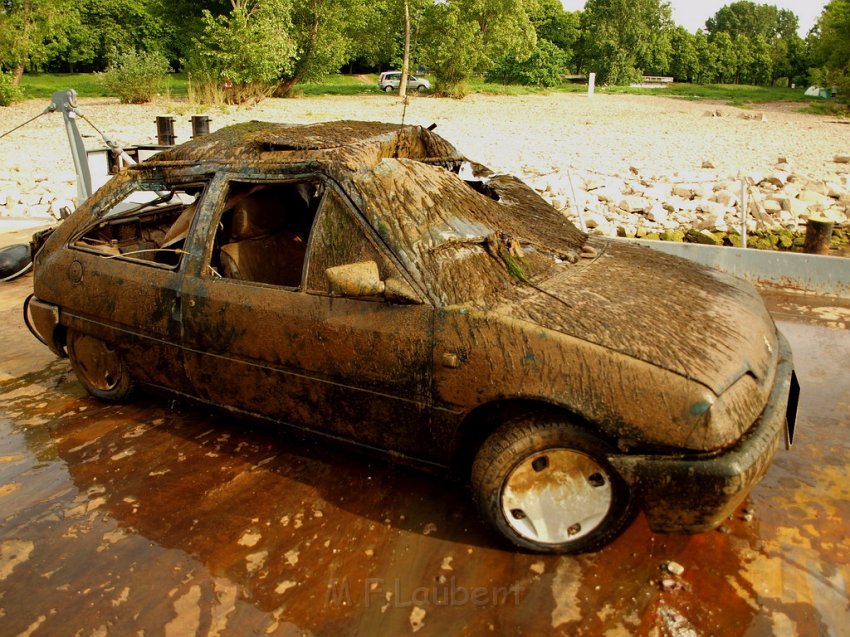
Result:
x=169 y=519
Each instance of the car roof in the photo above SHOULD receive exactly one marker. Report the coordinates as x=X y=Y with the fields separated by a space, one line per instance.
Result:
x=353 y=143
x=406 y=181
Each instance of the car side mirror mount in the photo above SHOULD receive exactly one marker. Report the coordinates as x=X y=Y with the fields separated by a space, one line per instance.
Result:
x=363 y=279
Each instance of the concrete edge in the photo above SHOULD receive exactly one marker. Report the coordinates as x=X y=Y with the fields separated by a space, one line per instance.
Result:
x=808 y=273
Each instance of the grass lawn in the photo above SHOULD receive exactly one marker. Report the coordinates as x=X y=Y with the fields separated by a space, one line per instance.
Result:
x=43 y=85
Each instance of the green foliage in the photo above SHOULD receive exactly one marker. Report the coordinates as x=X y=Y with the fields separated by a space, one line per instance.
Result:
x=545 y=67
x=30 y=31
x=95 y=29
x=136 y=76
x=452 y=66
x=552 y=23
x=464 y=37
x=8 y=91
x=753 y=20
x=623 y=39
x=831 y=47
x=241 y=55
x=322 y=31
x=685 y=59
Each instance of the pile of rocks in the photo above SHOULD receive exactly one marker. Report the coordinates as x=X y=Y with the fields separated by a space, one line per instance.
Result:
x=697 y=202
x=37 y=196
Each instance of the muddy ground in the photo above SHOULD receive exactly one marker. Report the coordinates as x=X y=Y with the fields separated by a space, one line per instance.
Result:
x=162 y=518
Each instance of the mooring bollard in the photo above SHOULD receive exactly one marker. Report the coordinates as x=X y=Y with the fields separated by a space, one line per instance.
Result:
x=165 y=131
x=200 y=126
x=818 y=235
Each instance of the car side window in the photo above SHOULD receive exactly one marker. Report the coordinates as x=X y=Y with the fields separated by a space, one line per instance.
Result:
x=263 y=231
x=339 y=239
x=148 y=226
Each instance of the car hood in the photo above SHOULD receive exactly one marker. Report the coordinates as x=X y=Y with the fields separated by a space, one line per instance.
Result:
x=663 y=310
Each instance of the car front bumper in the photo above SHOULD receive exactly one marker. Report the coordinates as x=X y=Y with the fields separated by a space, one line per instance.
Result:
x=692 y=494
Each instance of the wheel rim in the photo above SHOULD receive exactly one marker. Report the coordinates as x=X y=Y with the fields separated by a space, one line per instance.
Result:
x=99 y=364
x=556 y=496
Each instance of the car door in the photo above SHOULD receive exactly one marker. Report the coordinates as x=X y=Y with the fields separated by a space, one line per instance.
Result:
x=264 y=335
x=125 y=275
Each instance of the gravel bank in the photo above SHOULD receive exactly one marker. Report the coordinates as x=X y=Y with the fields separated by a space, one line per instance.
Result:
x=625 y=142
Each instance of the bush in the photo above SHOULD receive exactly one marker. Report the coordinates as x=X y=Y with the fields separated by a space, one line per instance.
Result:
x=136 y=76
x=241 y=56
x=544 y=67
x=8 y=91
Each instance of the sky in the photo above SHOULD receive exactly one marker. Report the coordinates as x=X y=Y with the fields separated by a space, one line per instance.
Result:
x=692 y=14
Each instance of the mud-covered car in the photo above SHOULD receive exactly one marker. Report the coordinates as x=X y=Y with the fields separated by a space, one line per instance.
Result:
x=368 y=283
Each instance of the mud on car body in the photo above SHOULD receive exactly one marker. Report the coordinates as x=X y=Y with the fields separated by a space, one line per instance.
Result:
x=368 y=283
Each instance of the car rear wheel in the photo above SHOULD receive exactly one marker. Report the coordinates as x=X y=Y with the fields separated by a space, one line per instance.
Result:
x=546 y=485
x=388 y=89
x=99 y=368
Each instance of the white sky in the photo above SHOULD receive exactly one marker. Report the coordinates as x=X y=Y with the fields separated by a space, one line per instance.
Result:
x=692 y=14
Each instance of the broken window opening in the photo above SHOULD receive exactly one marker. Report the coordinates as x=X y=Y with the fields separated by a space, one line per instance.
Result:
x=149 y=225
x=264 y=230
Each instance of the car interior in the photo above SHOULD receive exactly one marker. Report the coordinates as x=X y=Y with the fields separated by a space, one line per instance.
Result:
x=149 y=226
x=263 y=231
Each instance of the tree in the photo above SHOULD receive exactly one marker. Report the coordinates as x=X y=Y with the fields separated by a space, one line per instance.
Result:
x=462 y=37
x=99 y=30
x=685 y=58
x=707 y=71
x=552 y=23
x=761 y=61
x=405 y=65
x=766 y=43
x=743 y=56
x=27 y=27
x=545 y=67
x=831 y=46
x=723 y=51
x=623 y=38
x=322 y=33
x=228 y=54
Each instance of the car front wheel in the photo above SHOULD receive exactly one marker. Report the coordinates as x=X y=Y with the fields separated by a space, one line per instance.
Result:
x=388 y=89
x=99 y=368
x=421 y=88
x=545 y=485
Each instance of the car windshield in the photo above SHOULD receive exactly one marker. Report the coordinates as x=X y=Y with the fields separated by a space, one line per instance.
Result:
x=459 y=238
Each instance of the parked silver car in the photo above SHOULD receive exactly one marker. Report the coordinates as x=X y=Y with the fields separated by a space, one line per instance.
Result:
x=389 y=81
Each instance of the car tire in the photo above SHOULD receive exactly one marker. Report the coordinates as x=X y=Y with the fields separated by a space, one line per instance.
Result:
x=388 y=89
x=421 y=88
x=586 y=505
x=98 y=367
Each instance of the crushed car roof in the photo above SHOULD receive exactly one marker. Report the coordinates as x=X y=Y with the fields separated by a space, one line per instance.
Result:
x=356 y=144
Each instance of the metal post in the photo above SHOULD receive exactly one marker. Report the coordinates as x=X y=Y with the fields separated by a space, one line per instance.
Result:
x=165 y=131
x=591 y=84
x=578 y=209
x=200 y=126
x=66 y=101
x=818 y=236
x=744 y=211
